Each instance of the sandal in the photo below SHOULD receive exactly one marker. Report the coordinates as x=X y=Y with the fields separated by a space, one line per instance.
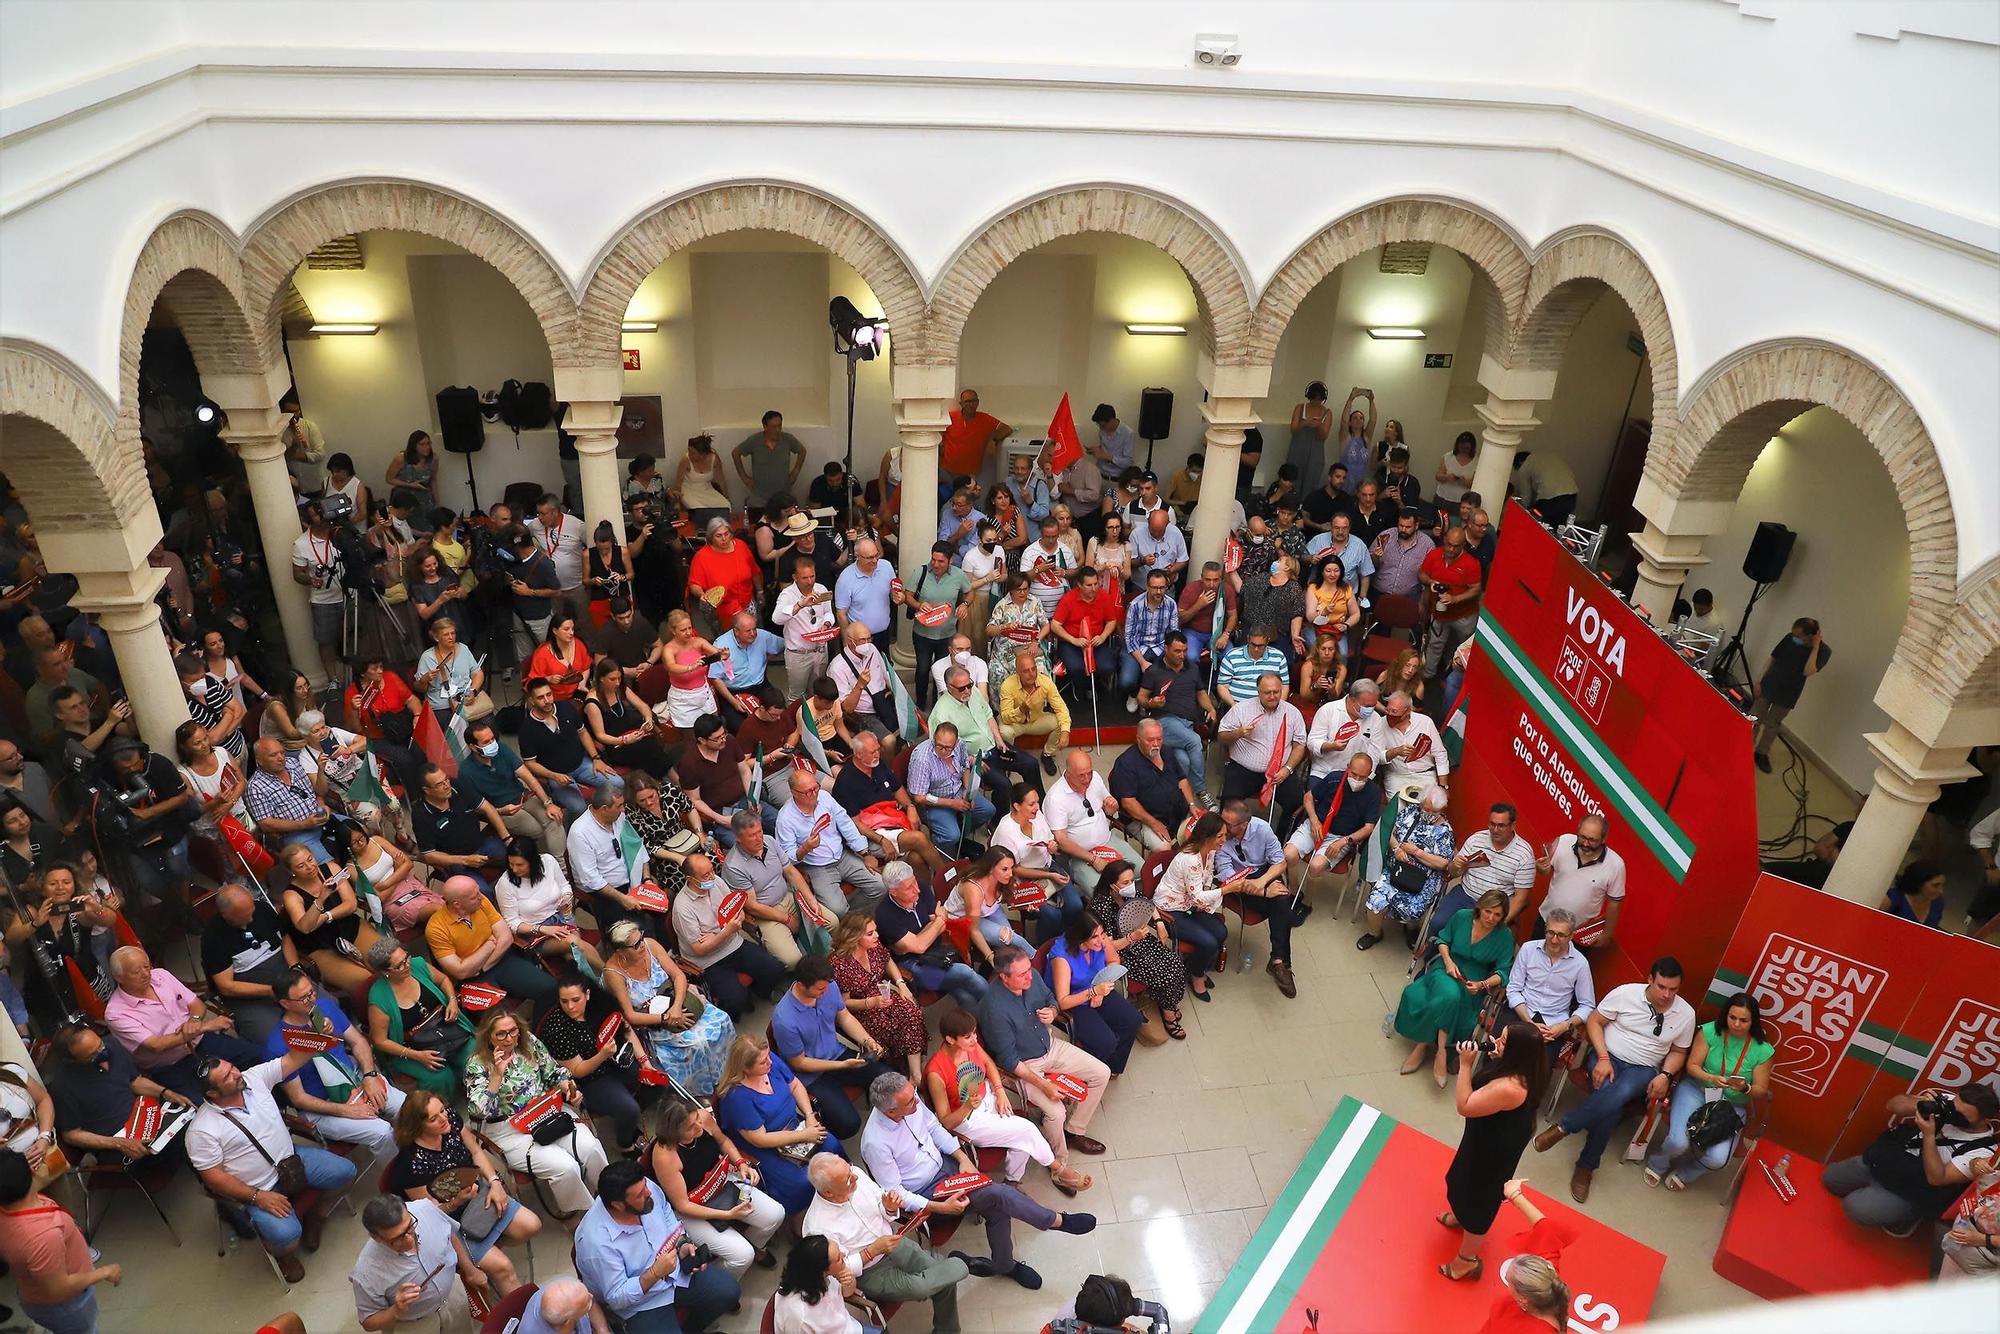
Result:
x=1675 y=1183
x=1071 y=1182
x=1652 y=1177
x=1445 y=1219
x=1478 y=1265
x=1173 y=1027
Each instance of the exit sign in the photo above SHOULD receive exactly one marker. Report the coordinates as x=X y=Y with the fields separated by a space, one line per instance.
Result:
x=631 y=358
x=1437 y=361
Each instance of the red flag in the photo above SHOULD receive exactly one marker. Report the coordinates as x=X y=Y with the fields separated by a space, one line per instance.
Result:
x=1278 y=751
x=430 y=740
x=1064 y=447
x=1089 y=650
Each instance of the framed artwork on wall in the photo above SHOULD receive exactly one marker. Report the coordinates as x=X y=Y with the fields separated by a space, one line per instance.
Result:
x=641 y=426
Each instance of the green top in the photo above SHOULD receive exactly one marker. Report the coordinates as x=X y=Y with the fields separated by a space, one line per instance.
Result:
x=1481 y=959
x=1724 y=1052
x=949 y=589
x=970 y=718
x=770 y=467
x=381 y=997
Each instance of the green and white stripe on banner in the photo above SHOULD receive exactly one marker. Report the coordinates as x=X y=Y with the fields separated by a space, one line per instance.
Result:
x=1647 y=817
x=1877 y=1044
x=1724 y=985
x=1275 y=1264
x=1375 y=854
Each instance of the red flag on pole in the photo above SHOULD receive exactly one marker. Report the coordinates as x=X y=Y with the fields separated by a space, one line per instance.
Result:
x=430 y=739
x=1089 y=650
x=1064 y=447
x=1271 y=769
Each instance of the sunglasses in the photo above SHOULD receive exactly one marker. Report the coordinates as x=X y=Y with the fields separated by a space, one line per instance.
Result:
x=1659 y=1023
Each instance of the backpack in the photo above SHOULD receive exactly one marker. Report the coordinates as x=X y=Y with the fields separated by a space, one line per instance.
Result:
x=534 y=407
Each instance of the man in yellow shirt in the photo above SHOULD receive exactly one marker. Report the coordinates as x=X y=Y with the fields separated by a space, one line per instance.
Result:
x=470 y=940
x=1031 y=706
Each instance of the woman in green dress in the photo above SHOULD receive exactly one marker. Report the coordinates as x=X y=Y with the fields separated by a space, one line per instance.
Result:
x=1474 y=953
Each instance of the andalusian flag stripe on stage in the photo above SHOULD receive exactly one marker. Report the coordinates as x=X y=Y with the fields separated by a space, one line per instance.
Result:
x=1275 y=1264
x=1648 y=819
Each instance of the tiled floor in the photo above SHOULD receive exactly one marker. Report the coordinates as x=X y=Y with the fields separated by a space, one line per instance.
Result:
x=1202 y=1137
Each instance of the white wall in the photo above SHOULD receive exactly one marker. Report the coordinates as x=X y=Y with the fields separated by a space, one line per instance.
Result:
x=1850 y=569
x=1592 y=389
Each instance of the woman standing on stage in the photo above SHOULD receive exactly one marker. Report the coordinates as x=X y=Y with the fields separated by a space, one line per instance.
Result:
x=1498 y=1104
x=1536 y=1298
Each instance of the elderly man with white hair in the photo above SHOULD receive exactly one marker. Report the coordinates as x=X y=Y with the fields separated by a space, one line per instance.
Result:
x=1420 y=847
x=860 y=673
x=167 y=1028
x=1341 y=731
x=852 y=1213
x=562 y=1306
x=823 y=849
x=1409 y=747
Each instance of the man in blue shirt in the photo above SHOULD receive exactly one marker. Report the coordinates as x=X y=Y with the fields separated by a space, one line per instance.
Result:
x=806 y=1026
x=958 y=526
x=631 y=1253
x=341 y=1092
x=747 y=652
x=1158 y=546
x=909 y=1153
x=863 y=593
x=1261 y=868
x=819 y=860
x=1014 y=1024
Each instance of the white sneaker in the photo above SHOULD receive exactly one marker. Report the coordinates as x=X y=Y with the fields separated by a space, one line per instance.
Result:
x=1131 y=704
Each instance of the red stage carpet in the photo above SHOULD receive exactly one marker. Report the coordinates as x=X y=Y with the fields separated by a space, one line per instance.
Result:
x=1355 y=1237
x=1778 y=1249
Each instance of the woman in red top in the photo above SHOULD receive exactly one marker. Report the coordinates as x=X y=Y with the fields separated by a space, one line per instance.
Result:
x=1536 y=1299
x=723 y=574
x=686 y=655
x=379 y=704
x=562 y=660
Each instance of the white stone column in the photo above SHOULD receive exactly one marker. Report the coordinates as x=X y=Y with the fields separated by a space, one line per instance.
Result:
x=1923 y=749
x=593 y=395
x=1671 y=548
x=924 y=398
x=1507 y=415
x=123 y=602
x=1227 y=414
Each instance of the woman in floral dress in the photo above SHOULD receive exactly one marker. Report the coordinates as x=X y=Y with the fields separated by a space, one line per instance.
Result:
x=877 y=994
x=653 y=994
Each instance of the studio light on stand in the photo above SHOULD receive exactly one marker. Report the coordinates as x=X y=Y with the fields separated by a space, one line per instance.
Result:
x=857 y=338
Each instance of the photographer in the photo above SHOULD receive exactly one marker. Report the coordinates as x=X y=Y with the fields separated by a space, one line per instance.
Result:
x=160 y=809
x=318 y=564
x=1922 y=1162
x=655 y=557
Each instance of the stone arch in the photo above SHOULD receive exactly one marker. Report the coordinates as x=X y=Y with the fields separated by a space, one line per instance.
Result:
x=1493 y=251
x=1969 y=659
x=1221 y=290
x=1744 y=401
x=59 y=447
x=1569 y=274
x=189 y=268
x=278 y=243
x=648 y=240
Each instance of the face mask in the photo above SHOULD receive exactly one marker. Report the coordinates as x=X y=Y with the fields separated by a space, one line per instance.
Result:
x=102 y=1060
x=1356 y=783
x=1129 y=890
x=490 y=749
x=714 y=885
x=962 y=659
x=1800 y=640
x=1367 y=710
x=1277 y=568
x=1194 y=474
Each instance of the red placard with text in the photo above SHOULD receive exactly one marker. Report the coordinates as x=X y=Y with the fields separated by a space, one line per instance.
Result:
x=1578 y=706
x=1862 y=1005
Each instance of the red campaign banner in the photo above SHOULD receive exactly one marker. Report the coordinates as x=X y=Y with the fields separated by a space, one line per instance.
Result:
x=964 y=1183
x=477 y=996
x=608 y=1030
x=1862 y=1005
x=651 y=897
x=1029 y=895
x=1064 y=446
x=1072 y=1088
x=145 y=1119
x=307 y=1040
x=731 y=907
x=1578 y=707
x=541 y=1109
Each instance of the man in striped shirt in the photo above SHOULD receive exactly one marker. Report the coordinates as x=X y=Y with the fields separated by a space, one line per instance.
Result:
x=1236 y=679
x=1493 y=858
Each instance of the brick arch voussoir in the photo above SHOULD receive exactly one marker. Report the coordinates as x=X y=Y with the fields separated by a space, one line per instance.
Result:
x=1494 y=253
x=277 y=246
x=649 y=240
x=1748 y=398
x=1222 y=294
x=59 y=446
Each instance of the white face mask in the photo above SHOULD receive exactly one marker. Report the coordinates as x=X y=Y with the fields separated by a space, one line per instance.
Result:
x=1129 y=890
x=1356 y=783
x=963 y=658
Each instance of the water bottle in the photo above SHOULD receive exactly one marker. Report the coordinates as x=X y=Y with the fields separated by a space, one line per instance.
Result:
x=1248 y=961
x=1783 y=1168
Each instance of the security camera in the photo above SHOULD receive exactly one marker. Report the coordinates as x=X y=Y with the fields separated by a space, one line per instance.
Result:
x=1216 y=48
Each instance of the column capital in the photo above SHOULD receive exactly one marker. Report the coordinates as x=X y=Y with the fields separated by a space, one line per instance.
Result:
x=1930 y=720
x=1911 y=770
x=596 y=443
x=593 y=415
x=1507 y=417
x=921 y=422
x=588 y=384
x=1682 y=518
x=250 y=392
x=1669 y=551
x=1906 y=782
x=1511 y=384
x=914 y=383
x=255 y=445
x=123 y=599
x=1222 y=382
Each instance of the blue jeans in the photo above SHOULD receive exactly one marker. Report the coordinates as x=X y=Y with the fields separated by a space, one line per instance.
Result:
x=1688 y=1095
x=324 y=1172
x=708 y=1296
x=78 y=1315
x=591 y=774
x=958 y=980
x=945 y=823
x=1598 y=1114
x=1197 y=643
x=1185 y=746
x=1206 y=931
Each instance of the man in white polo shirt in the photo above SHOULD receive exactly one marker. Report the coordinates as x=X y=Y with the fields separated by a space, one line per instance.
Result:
x=1341 y=731
x=1586 y=879
x=1492 y=858
x=1641 y=1033
x=1410 y=748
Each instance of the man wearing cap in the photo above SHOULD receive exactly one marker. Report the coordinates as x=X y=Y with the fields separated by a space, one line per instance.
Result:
x=939 y=604
x=967 y=437
x=1117 y=447
x=805 y=613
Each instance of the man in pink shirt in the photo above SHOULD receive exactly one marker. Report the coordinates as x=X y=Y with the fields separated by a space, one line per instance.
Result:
x=166 y=1027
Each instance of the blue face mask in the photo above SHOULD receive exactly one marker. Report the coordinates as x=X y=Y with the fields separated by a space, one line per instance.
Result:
x=1800 y=640
x=1277 y=568
x=1367 y=710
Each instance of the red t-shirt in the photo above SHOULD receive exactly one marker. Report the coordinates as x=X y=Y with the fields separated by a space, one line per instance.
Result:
x=1204 y=618
x=41 y=1242
x=963 y=451
x=1458 y=577
x=1073 y=611
x=753 y=732
x=392 y=698
x=735 y=570
x=1546 y=1239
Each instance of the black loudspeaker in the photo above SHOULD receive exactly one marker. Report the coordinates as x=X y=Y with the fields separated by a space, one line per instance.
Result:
x=1769 y=550
x=1156 y=414
x=459 y=420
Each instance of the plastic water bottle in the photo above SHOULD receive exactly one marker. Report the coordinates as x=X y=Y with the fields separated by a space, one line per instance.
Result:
x=1248 y=961
x=1783 y=1169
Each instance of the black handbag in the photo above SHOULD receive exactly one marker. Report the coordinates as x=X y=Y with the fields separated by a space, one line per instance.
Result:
x=553 y=1128
x=1408 y=877
x=1714 y=1123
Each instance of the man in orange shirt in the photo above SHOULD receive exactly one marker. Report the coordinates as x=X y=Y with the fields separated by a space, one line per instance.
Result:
x=966 y=440
x=1454 y=579
x=1088 y=614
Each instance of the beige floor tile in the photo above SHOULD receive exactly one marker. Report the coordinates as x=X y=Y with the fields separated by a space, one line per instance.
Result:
x=1143 y=1188
x=1144 y=1126
x=1275 y=1162
x=1214 y=1119
x=1220 y=1179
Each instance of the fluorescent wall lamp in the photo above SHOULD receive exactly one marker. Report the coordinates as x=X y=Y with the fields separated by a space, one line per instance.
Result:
x=347 y=328
x=1396 y=332
x=1165 y=330
x=641 y=326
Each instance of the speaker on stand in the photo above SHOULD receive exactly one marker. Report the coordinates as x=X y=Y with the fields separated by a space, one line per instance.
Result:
x=1763 y=564
x=1156 y=419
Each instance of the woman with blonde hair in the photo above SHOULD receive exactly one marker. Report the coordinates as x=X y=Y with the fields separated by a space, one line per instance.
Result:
x=766 y=1109
x=1066 y=532
x=510 y=1070
x=686 y=655
x=684 y=1034
x=876 y=991
x=1536 y=1298
x=1405 y=672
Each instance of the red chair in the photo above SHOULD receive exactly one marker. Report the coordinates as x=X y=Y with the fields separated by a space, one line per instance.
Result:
x=1390 y=612
x=509 y=1308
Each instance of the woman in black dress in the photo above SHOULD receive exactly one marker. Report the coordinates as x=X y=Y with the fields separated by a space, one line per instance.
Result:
x=1498 y=1104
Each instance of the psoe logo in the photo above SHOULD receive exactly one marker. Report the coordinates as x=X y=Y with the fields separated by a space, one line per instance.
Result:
x=1967 y=1051
x=1815 y=999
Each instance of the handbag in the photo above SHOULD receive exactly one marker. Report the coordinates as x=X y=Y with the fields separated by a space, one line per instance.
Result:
x=554 y=1127
x=432 y=1033
x=478 y=1219
x=1408 y=877
x=1713 y=1123
x=291 y=1168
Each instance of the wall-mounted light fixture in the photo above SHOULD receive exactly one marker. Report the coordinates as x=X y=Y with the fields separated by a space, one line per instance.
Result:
x=641 y=326
x=1164 y=330
x=347 y=328
x=1395 y=332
